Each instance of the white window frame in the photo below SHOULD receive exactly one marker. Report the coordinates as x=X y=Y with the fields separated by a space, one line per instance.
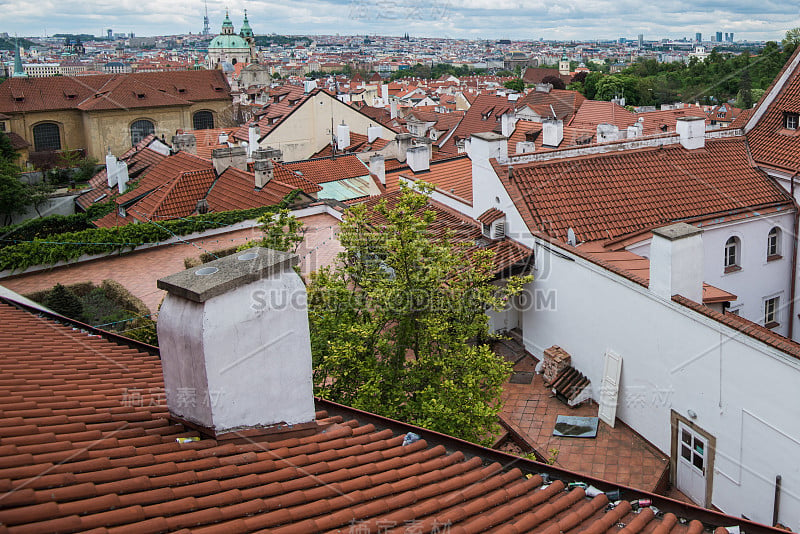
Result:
x=772 y=311
x=790 y=121
x=733 y=242
x=774 y=242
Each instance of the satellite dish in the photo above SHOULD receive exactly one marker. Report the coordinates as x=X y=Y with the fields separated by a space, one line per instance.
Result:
x=571 y=237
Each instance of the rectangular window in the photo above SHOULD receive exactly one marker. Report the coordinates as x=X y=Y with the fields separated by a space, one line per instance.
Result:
x=771 y=312
x=790 y=121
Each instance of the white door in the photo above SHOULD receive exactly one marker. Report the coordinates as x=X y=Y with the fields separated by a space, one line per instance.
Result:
x=609 y=388
x=692 y=464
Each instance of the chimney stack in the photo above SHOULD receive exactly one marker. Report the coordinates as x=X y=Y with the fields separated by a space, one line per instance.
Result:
x=552 y=132
x=419 y=158
x=116 y=172
x=692 y=131
x=235 y=344
x=342 y=137
x=222 y=158
x=377 y=166
x=607 y=133
x=223 y=138
x=309 y=85
x=263 y=170
x=373 y=133
x=507 y=122
x=403 y=141
x=185 y=143
x=525 y=147
x=253 y=135
x=676 y=262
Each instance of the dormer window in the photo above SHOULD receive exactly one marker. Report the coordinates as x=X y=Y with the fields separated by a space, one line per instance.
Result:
x=493 y=223
x=790 y=121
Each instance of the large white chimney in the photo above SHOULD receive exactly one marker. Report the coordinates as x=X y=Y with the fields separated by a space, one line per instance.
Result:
x=525 y=147
x=235 y=345
x=393 y=109
x=253 y=136
x=342 y=136
x=419 y=158
x=483 y=147
x=385 y=93
x=552 y=132
x=309 y=85
x=116 y=172
x=508 y=121
x=692 y=131
x=377 y=166
x=607 y=133
x=676 y=262
x=373 y=133
x=263 y=171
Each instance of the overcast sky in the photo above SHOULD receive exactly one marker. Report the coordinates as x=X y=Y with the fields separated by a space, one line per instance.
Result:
x=488 y=19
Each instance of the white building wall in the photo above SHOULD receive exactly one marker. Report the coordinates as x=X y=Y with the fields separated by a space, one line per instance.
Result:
x=758 y=278
x=674 y=359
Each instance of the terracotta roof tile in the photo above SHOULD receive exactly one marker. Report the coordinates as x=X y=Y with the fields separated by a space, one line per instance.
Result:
x=350 y=475
x=565 y=103
x=610 y=195
x=333 y=169
x=452 y=175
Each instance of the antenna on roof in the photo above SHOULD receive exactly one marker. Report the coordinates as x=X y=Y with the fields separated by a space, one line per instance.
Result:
x=553 y=111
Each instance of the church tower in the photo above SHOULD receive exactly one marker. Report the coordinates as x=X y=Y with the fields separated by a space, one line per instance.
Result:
x=18 y=71
x=563 y=65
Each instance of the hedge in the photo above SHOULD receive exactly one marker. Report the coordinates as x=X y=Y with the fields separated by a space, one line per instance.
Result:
x=70 y=246
x=45 y=227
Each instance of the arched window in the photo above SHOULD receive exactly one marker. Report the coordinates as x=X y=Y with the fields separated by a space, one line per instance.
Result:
x=733 y=250
x=203 y=120
x=46 y=137
x=774 y=243
x=141 y=129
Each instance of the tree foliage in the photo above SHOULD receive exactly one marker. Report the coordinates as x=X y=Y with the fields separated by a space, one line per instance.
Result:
x=426 y=71
x=555 y=81
x=515 y=85
x=282 y=231
x=63 y=301
x=399 y=325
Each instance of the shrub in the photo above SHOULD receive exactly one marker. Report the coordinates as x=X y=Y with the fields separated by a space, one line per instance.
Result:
x=63 y=301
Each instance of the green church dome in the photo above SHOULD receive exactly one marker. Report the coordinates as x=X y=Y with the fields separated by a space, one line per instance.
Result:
x=228 y=41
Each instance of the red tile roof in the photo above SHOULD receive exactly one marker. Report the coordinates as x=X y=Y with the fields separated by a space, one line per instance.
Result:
x=324 y=170
x=536 y=75
x=115 y=91
x=453 y=175
x=86 y=443
x=208 y=140
x=491 y=215
x=482 y=116
x=235 y=190
x=139 y=159
x=565 y=103
x=605 y=196
x=640 y=268
x=770 y=143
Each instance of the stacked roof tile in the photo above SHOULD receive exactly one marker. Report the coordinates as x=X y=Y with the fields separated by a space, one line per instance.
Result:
x=86 y=443
x=605 y=196
x=323 y=170
x=563 y=102
x=452 y=175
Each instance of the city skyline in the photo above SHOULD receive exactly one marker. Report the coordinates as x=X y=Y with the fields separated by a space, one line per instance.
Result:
x=472 y=19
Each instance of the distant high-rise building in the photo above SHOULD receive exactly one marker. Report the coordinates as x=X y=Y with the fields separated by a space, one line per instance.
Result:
x=698 y=37
x=719 y=37
x=641 y=40
x=731 y=37
x=622 y=40
x=110 y=33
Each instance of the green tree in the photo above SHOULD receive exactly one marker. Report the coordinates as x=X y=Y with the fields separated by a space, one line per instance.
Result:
x=63 y=301
x=15 y=196
x=515 y=85
x=399 y=326
x=6 y=150
x=791 y=39
x=282 y=231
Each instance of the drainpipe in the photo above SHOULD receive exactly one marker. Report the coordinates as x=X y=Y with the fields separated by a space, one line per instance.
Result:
x=777 y=502
x=794 y=260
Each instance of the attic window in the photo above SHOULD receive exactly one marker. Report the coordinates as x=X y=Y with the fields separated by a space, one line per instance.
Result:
x=180 y=89
x=140 y=96
x=790 y=121
x=495 y=230
x=216 y=87
x=69 y=95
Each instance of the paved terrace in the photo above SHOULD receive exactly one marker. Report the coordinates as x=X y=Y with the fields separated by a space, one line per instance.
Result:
x=139 y=271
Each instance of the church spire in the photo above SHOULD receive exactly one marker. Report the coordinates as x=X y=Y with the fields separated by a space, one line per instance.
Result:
x=18 y=72
x=247 y=31
x=227 y=25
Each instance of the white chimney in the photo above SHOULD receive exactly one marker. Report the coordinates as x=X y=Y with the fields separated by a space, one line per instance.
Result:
x=385 y=93
x=235 y=344
x=253 y=136
x=483 y=147
x=393 y=109
x=676 y=262
x=525 y=147
x=607 y=133
x=552 y=132
x=263 y=170
x=122 y=176
x=342 y=136
x=373 y=133
x=403 y=141
x=507 y=122
x=377 y=166
x=419 y=158
x=635 y=130
x=543 y=87
x=692 y=131
x=111 y=168
x=309 y=85
x=222 y=139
